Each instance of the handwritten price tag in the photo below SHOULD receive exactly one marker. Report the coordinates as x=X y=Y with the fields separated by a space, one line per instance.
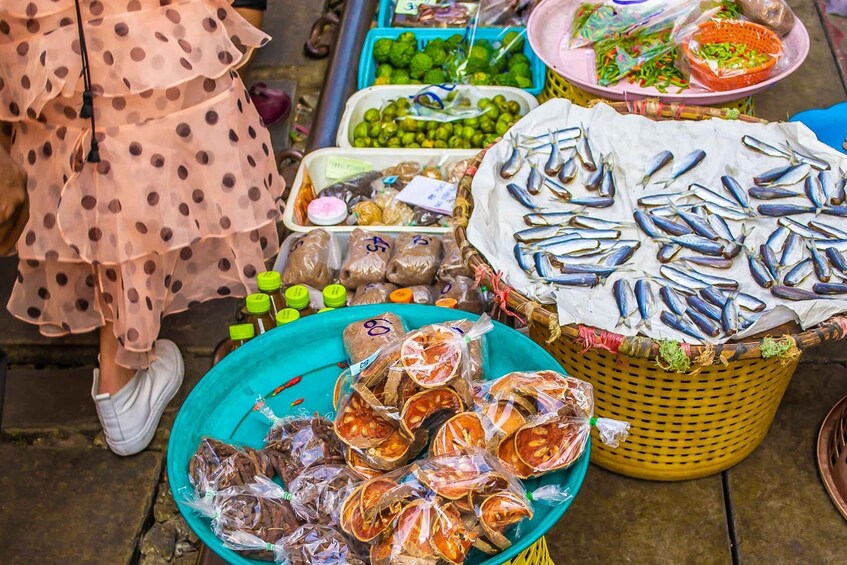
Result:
x=430 y=194
x=343 y=167
x=410 y=7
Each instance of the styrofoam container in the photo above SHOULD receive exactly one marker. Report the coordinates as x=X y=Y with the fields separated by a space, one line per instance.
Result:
x=376 y=96
x=315 y=164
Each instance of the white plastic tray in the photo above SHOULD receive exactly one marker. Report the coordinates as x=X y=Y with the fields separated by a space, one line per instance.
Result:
x=315 y=163
x=376 y=96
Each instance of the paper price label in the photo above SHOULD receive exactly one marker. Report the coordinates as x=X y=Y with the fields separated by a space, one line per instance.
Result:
x=430 y=194
x=343 y=167
x=410 y=7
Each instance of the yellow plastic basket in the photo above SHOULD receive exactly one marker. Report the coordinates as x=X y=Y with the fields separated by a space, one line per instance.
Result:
x=536 y=554
x=684 y=426
x=558 y=87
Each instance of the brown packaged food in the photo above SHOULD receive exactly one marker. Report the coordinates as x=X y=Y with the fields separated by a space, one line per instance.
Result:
x=463 y=290
x=368 y=254
x=319 y=492
x=365 y=337
x=416 y=259
x=269 y=519
x=312 y=260
x=773 y=14
x=452 y=264
x=422 y=294
x=293 y=445
x=374 y=293
x=217 y=465
x=313 y=544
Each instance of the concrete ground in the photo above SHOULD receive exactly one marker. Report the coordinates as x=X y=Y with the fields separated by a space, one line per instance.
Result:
x=68 y=500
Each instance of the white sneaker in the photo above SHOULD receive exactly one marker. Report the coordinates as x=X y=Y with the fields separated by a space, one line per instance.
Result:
x=130 y=416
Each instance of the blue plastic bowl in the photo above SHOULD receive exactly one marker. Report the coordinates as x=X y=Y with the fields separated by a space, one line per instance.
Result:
x=829 y=125
x=220 y=406
x=368 y=65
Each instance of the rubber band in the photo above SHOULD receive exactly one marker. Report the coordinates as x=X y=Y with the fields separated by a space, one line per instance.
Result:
x=841 y=322
x=589 y=338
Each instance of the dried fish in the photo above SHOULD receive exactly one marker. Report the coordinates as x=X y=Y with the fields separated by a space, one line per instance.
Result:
x=655 y=165
x=646 y=302
x=568 y=171
x=625 y=299
x=513 y=164
x=684 y=165
x=520 y=194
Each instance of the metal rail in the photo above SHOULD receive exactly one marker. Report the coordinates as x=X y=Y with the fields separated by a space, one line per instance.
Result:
x=341 y=76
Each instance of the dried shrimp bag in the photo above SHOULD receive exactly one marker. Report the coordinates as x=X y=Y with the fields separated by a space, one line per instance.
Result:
x=374 y=293
x=464 y=291
x=541 y=421
x=367 y=259
x=313 y=260
x=365 y=337
x=415 y=261
x=295 y=443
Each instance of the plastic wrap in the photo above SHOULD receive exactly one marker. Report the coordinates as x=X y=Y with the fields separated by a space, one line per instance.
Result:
x=594 y=22
x=464 y=291
x=540 y=422
x=773 y=14
x=313 y=260
x=365 y=213
x=352 y=187
x=452 y=264
x=365 y=337
x=422 y=294
x=294 y=444
x=438 y=509
x=313 y=544
x=217 y=466
x=416 y=259
x=404 y=172
x=394 y=212
x=319 y=492
x=368 y=254
x=376 y=293
x=440 y=14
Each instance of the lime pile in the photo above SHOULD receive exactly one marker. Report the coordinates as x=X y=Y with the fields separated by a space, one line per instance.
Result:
x=395 y=126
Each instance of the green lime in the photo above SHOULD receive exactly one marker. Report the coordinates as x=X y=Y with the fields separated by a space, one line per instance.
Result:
x=442 y=134
x=468 y=132
x=478 y=139
x=439 y=144
x=514 y=107
x=408 y=138
x=372 y=115
x=360 y=130
x=501 y=128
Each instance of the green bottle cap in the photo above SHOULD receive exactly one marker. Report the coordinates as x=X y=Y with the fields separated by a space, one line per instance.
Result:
x=322 y=310
x=269 y=281
x=241 y=332
x=258 y=304
x=286 y=316
x=335 y=296
x=297 y=296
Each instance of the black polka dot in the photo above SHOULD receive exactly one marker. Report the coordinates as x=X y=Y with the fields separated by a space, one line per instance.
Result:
x=33 y=312
x=115 y=206
x=202 y=157
x=224 y=291
x=185 y=253
x=153 y=198
x=141 y=227
x=166 y=234
x=176 y=286
x=211 y=117
x=225 y=222
x=95 y=234
x=82 y=305
x=254 y=193
x=184 y=209
x=112 y=275
x=250 y=271
x=183 y=130
x=43 y=293
x=30 y=237
x=121 y=29
x=135 y=149
x=233 y=137
x=132 y=295
x=182 y=172
x=197 y=196
x=61 y=279
x=157 y=161
x=149 y=267
x=224 y=264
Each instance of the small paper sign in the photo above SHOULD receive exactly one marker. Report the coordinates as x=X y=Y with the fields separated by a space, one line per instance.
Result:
x=430 y=194
x=343 y=167
x=410 y=7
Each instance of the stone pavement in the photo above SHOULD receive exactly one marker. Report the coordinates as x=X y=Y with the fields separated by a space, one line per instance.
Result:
x=68 y=500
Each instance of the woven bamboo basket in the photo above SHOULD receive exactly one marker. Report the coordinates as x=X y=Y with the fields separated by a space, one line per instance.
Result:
x=832 y=455
x=536 y=554
x=692 y=415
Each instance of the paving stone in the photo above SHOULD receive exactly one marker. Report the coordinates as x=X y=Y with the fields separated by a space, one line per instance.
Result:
x=48 y=398
x=80 y=506
x=782 y=512
x=616 y=519
x=159 y=540
x=816 y=84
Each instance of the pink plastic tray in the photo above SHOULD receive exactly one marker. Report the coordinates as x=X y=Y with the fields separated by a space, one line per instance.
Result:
x=551 y=21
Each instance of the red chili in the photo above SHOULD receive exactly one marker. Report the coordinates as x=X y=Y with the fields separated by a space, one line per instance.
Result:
x=286 y=385
x=297 y=402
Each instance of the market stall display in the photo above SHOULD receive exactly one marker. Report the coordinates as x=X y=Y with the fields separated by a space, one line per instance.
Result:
x=435 y=107
x=695 y=298
x=632 y=51
x=223 y=405
x=481 y=57
x=453 y=13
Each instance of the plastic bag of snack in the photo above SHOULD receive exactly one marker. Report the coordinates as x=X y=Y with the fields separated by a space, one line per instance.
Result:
x=452 y=264
x=365 y=213
x=313 y=260
x=320 y=490
x=217 y=466
x=365 y=337
x=351 y=187
x=394 y=212
x=542 y=420
x=773 y=14
x=422 y=294
x=464 y=291
x=477 y=358
x=404 y=172
x=424 y=217
x=315 y=544
x=367 y=259
x=456 y=170
x=294 y=444
x=416 y=259
x=374 y=293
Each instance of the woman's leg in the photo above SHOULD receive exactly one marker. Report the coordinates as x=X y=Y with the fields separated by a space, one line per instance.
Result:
x=113 y=377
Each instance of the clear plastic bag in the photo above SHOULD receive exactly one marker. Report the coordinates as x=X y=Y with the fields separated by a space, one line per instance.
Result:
x=365 y=213
x=319 y=492
x=422 y=294
x=433 y=14
x=774 y=14
x=313 y=544
x=365 y=337
x=368 y=254
x=619 y=18
x=352 y=187
x=376 y=293
x=416 y=259
x=394 y=212
x=217 y=466
x=452 y=264
x=464 y=291
x=404 y=172
x=440 y=508
x=542 y=420
x=294 y=444
x=313 y=260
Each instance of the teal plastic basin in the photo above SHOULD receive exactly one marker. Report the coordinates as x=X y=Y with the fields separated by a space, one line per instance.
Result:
x=220 y=406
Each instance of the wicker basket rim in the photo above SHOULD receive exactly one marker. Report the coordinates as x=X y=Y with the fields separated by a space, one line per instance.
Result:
x=632 y=346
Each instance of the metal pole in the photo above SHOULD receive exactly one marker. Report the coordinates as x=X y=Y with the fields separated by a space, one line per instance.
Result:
x=341 y=76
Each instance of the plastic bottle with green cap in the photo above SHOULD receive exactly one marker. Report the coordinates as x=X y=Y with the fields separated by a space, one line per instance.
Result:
x=286 y=316
x=297 y=297
x=259 y=310
x=241 y=334
x=335 y=296
x=270 y=283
